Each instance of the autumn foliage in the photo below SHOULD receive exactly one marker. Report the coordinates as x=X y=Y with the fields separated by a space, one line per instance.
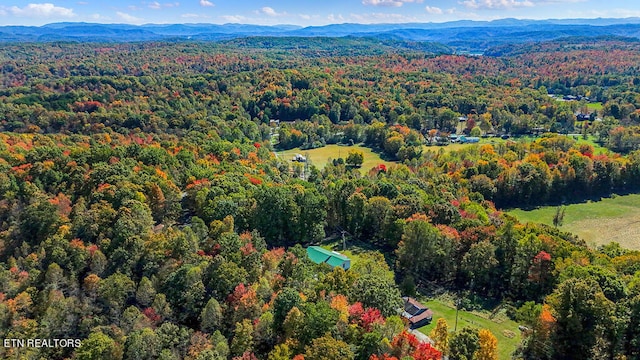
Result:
x=406 y=344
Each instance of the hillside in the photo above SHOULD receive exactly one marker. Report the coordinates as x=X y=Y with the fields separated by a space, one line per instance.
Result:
x=151 y=208
x=463 y=36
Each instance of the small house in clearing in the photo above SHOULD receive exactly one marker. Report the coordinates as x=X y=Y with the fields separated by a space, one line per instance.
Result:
x=319 y=255
x=299 y=158
x=417 y=314
x=468 y=139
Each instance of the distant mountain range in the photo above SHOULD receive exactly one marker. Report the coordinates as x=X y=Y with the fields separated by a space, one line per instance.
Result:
x=466 y=35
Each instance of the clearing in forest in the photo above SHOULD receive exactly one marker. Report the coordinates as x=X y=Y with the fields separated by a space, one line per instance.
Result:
x=597 y=222
x=320 y=156
x=505 y=330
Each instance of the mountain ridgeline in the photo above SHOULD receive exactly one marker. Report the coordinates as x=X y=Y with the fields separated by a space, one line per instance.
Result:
x=155 y=202
x=461 y=36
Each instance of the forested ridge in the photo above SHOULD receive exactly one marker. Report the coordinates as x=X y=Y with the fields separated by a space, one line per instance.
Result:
x=143 y=211
x=470 y=36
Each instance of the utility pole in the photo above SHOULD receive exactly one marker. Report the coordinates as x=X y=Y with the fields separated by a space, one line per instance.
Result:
x=455 y=328
x=344 y=241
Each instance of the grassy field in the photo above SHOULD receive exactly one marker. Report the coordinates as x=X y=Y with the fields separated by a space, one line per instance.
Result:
x=591 y=140
x=598 y=149
x=320 y=156
x=594 y=106
x=597 y=222
x=447 y=148
x=457 y=146
x=590 y=106
x=505 y=330
x=491 y=141
x=354 y=248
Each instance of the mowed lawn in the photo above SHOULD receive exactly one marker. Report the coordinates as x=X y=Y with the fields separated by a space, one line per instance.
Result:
x=597 y=148
x=505 y=330
x=597 y=222
x=446 y=148
x=320 y=156
x=491 y=141
x=594 y=106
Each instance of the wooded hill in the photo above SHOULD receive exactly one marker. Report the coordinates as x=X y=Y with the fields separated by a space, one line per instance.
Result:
x=146 y=214
x=463 y=36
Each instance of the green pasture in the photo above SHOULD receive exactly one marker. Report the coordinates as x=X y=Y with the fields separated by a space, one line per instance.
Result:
x=594 y=106
x=457 y=146
x=591 y=140
x=320 y=156
x=505 y=330
x=597 y=222
x=446 y=148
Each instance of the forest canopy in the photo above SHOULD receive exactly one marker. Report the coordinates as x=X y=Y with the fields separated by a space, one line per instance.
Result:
x=146 y=213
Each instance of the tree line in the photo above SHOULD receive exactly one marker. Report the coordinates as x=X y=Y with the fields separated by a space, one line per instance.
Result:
x=146 y=214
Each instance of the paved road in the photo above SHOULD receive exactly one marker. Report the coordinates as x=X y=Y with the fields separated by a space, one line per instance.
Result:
x=422 y=337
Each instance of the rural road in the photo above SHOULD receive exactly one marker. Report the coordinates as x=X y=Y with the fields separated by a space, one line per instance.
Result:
x=421 y=337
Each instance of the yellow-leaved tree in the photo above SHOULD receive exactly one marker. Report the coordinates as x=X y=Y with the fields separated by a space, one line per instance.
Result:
x=440 y=336
x=488 y=346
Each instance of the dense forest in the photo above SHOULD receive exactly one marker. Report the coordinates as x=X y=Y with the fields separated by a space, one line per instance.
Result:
x=143 y=211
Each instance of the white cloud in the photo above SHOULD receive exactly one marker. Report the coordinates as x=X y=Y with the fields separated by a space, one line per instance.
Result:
x=392 y=3
x=157 y=6
x=129 y=18
x=558 y=1
x=194 y=16
x=97 y=17
x=624 y=13
x=433 y=10
x=458 y=14
x=374 y=18
x=45 y=10
x=206 y=3
x=269 y=11
x=333 y=18
x=83 y=3
x=233 y=18
x=496 y=4
x=609 y=13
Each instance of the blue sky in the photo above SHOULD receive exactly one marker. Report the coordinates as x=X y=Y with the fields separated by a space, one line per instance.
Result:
x=305 y=12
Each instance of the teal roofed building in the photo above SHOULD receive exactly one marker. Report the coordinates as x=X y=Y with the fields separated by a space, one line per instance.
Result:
x=319 y=255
